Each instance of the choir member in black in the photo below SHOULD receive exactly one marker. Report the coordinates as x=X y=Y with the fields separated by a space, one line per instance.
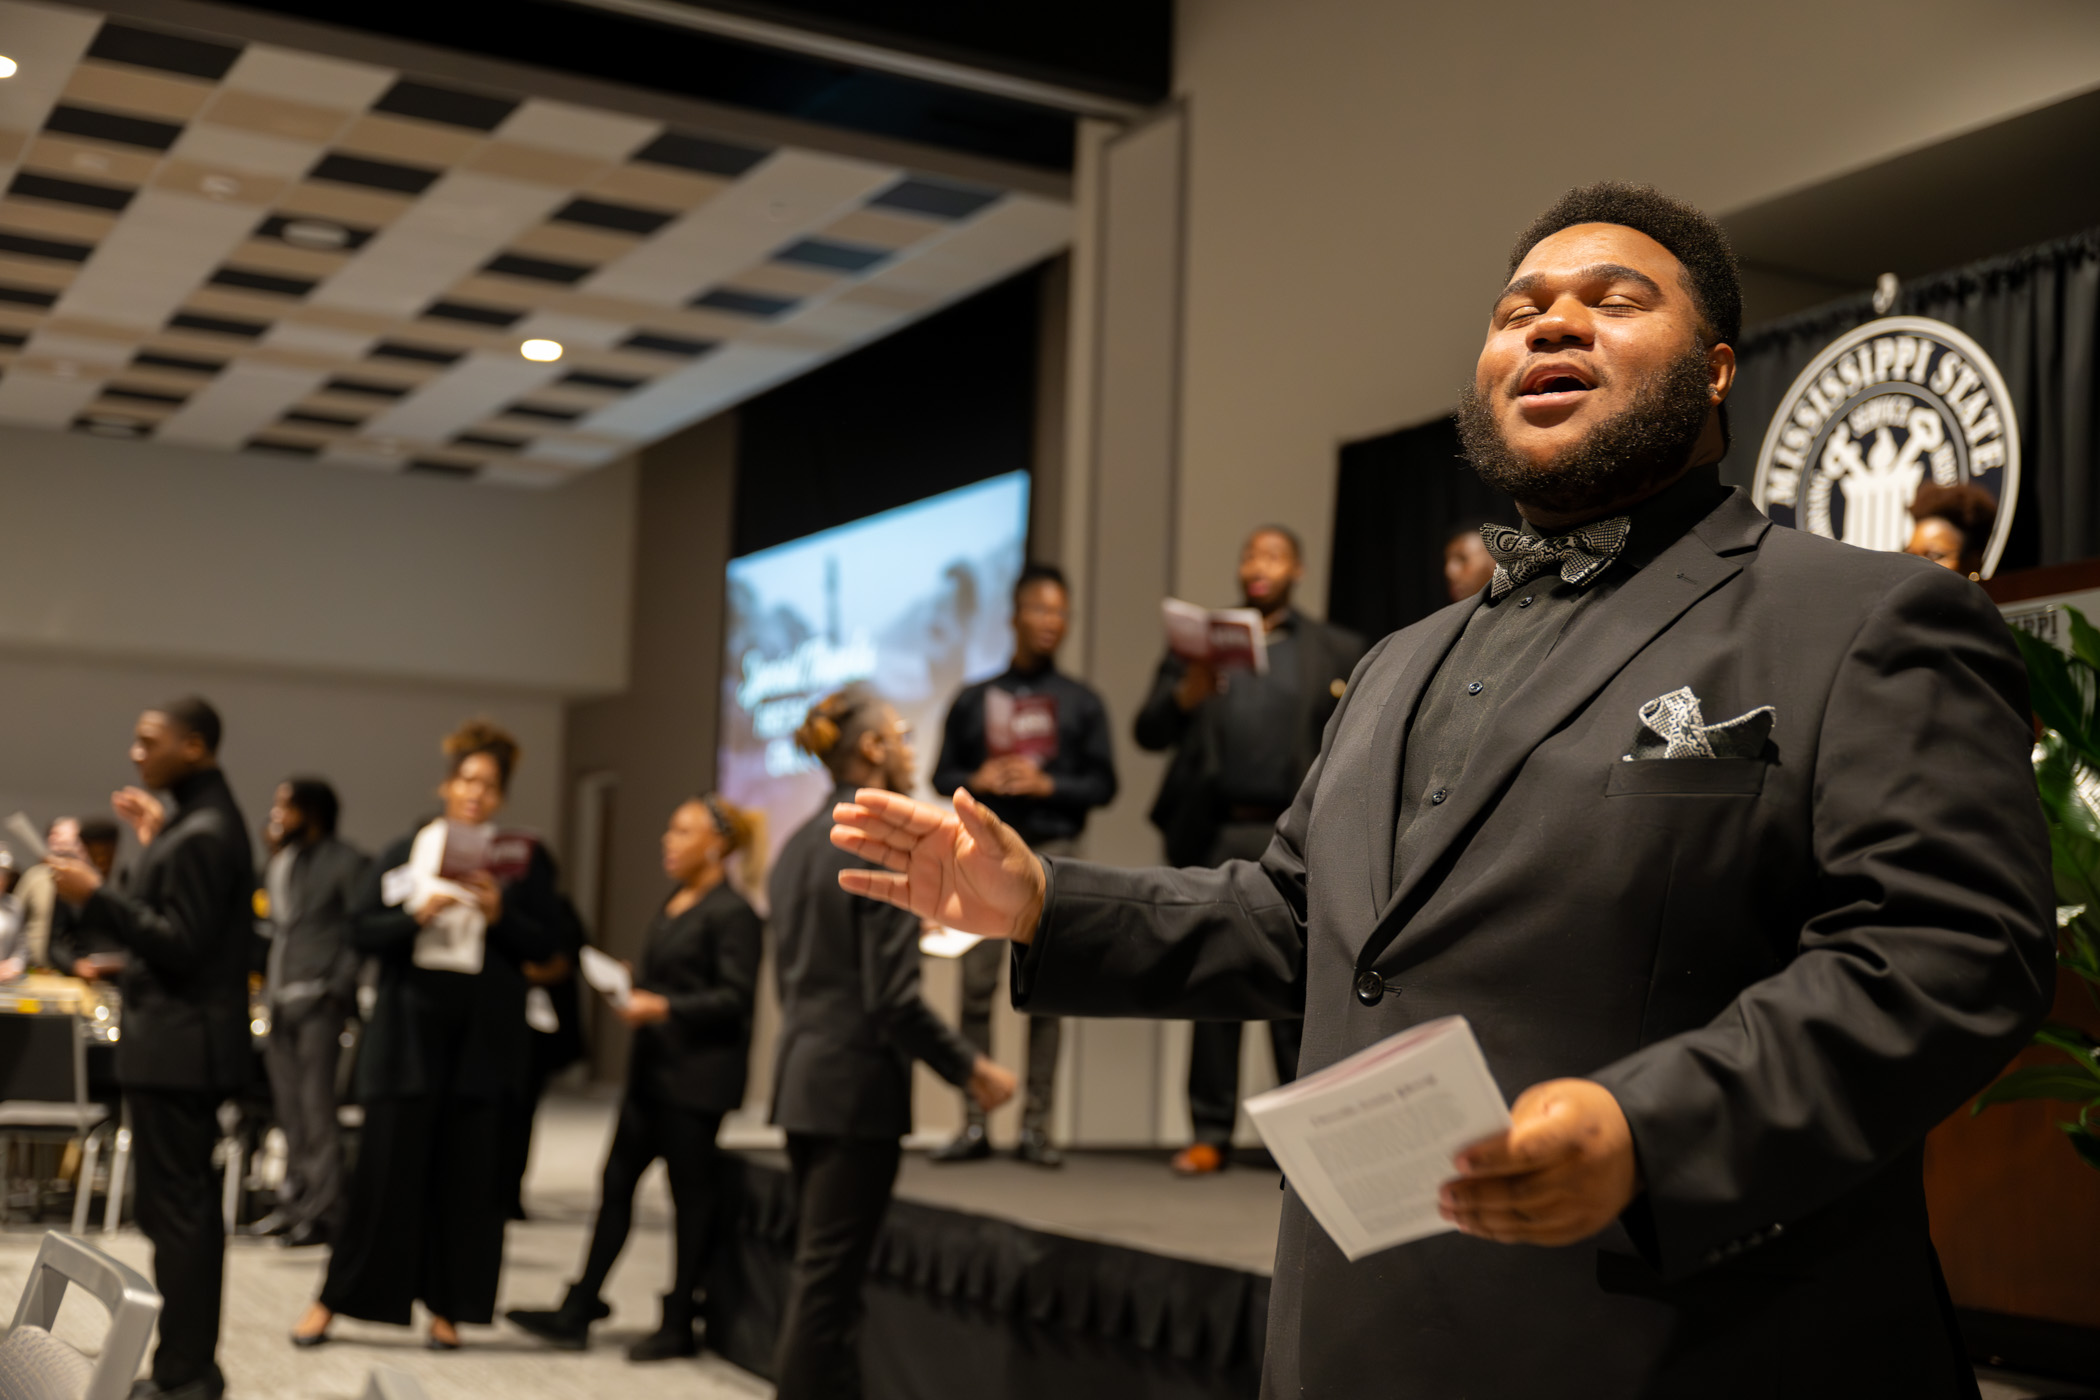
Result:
x=310 y=886
x=1953 y=526
x=1467 y=564
x=851 y=1023
x=425 y=1214
x=1042 y=779
x=184 y=919
x=1242 y=744
x=691 y=1013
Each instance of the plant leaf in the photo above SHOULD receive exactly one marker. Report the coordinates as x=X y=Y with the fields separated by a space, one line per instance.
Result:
x=2073 y=1042
x=2054 y=689
x=2085 y=639
x=2082 y=1139
x=2060 y=1082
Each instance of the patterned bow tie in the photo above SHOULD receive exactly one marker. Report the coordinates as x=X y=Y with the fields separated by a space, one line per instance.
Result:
x=1579 y=555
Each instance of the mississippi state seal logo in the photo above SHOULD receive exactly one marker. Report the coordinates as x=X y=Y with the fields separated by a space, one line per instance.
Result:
x=1883 y=409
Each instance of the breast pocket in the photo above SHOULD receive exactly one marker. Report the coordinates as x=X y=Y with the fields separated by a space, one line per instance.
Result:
x=1696 y=777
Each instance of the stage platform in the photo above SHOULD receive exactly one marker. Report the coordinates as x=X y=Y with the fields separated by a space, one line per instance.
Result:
x=1109 y=1276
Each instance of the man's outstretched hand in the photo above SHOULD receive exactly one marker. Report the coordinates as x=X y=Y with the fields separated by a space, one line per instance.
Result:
x=969 y=871
x=1562 y=1172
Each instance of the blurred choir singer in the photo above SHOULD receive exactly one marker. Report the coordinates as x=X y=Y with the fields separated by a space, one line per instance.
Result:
x=445 y=1050
x=1242 y=744
x=1034 y=743
x=185 y=918
x=309 y=886
x=690 y=1009
x=851 y=1023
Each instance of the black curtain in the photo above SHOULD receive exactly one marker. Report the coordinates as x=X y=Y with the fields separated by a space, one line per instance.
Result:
x=2037 y=314
x=1395 y=498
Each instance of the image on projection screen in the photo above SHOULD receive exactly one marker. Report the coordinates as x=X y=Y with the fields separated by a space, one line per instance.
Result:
x=915 y=600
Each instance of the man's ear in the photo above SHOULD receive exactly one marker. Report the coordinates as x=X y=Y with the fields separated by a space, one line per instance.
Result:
x=1720 y=367
x=871 y=745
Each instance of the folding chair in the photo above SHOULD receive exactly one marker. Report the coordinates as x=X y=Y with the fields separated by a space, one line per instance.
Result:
x=34 y=1365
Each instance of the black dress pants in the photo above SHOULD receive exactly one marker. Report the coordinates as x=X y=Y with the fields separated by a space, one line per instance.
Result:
x=685 y=1139
x=425 y=1214
x=842 y=1190
x=1214 y=1046
x=172 y=1135
x=302 y=1053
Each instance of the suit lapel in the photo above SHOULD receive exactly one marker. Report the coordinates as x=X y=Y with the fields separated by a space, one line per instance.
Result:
x=1599 y=642
x=1390 y=740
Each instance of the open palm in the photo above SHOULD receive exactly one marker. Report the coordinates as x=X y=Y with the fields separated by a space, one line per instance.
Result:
x=969 y=871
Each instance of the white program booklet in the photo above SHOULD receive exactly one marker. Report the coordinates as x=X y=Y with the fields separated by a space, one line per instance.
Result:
x=940 y=941
x=1367 y=1142
x=606 y=974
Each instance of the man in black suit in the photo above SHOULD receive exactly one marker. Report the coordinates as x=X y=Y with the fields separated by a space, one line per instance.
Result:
x=1723 y=836
x=1242 y=744
x=184 y=917
x=311 y=884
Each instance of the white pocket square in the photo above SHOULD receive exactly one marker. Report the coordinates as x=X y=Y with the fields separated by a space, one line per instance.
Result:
x=1673 y=727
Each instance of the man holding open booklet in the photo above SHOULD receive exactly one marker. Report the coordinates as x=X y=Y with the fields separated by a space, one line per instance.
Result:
x=1722 y=839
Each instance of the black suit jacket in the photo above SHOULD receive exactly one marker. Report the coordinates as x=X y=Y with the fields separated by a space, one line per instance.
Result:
x=185 y=914
x=1786 y=969
x=440 y=1033
x=1187 y=811
x=314 y=945
x=705 y=963
x=851 y=1020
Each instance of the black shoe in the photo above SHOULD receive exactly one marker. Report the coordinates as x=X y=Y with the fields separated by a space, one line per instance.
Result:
x=1036 y=1151
x=306 y=1234
x=666 y=1343
x=211 y=1386
x=566 y=1328
x=277 y=1222
x=971 y=1145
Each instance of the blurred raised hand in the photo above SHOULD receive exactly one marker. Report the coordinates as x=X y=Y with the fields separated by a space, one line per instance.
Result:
x=968 y=870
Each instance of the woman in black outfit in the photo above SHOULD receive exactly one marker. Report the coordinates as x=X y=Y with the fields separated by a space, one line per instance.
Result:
x=691 y=1013
x=851 y=1023
x=445 y=1049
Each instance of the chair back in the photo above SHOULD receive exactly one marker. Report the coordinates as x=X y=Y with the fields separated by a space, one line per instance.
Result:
x=134 y=1306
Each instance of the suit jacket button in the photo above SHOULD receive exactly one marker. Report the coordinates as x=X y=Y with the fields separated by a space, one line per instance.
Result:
x=1370 y=988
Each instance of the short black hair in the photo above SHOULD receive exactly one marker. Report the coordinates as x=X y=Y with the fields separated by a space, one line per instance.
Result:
x=1290 y=537
x=1040 y=573
x=316 y=801
x=1463 y=528
x=193 y=714
x=1693 y=236
x=97 y=831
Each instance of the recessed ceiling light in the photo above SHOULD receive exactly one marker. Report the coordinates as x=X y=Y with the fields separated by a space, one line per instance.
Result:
x=542 y=350
x=317 y=234
x=103 y=426
x=7 y=66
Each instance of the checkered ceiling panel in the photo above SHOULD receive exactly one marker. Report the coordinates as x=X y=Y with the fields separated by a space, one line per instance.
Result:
x=247 y=247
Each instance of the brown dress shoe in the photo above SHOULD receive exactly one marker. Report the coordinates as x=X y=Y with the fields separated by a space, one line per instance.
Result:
x=1199 y=1160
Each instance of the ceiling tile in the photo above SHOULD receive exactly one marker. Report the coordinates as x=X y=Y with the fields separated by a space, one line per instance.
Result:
x=580 y=131
x=134 y=46
x=117 y=128
x=239 y=187
x=267 y=114
x=445 y=106
x=226 y=411
x=464 y=220
x=938 y=199
x=151 y=261
x=47 y=44
x=68 y=159
x=704 y=154
x=42 y=400
x=356 y=206
x=137 y=91
x=535 y=163
x=403 y=142
x=234 y=149
x=308 y=79
x=658 y=186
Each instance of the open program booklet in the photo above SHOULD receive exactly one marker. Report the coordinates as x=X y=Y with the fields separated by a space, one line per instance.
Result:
x=1367 y=1142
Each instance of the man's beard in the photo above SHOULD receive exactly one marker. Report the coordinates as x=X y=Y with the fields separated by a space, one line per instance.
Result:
x=1642 y=444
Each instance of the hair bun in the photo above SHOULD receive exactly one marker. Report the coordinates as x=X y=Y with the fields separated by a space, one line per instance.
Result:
x=817 y=734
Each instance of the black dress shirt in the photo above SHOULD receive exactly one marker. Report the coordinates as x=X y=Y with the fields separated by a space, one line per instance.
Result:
x=1256 y=722
x=185 y=914
x=704 y=962
x=1508 y=639
x=1083 y=768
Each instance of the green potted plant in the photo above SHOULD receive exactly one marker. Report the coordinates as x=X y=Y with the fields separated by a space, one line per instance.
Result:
x=2066 y=690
